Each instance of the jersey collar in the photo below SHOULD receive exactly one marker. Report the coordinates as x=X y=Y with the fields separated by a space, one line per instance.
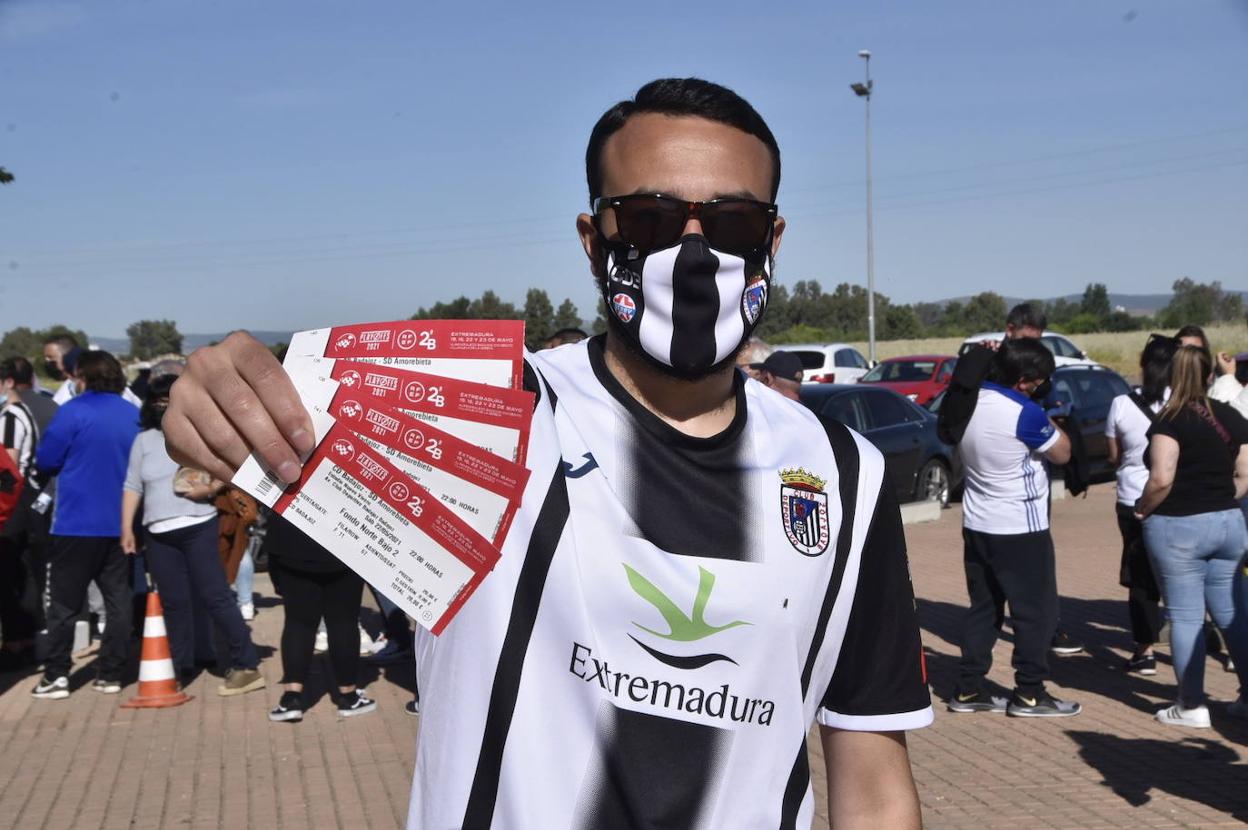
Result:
x=1012 y=394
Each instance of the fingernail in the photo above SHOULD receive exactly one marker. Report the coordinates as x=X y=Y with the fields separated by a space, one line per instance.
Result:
x=303 y=441
x=289 y=472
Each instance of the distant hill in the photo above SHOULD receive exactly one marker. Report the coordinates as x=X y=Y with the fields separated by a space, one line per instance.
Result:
x=1141 y=304
x=191 y=342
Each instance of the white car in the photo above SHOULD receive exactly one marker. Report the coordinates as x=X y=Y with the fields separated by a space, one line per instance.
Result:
x=829 y=362
x=1065 y=353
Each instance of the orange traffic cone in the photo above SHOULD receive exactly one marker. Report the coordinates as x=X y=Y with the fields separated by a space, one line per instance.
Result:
x=158 y=684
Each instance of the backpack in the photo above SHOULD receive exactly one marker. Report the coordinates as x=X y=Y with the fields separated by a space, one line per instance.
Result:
x=11 y=485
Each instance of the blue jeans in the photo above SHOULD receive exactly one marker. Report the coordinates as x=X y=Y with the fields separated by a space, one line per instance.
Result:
x=1197 y=561
x=188 y=573
x=245 y=577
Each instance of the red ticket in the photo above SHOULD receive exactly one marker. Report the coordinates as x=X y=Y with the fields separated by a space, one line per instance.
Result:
x=484 y=351
x=360 y=507
x=485 y=489
x=490 y=417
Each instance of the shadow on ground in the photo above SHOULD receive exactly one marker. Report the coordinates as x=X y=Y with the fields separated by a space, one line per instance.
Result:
x=1192 y=768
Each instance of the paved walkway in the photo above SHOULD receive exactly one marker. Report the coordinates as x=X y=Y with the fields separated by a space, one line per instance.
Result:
x=218 y=763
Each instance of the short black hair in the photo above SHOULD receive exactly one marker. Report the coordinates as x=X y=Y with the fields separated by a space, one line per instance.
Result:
x=680 y=96
x=1026 y=315
x=18 y=370
x=100 y=372
x=65 y=341
x=156 y=389
x=1025 y=358
x=1193 y=330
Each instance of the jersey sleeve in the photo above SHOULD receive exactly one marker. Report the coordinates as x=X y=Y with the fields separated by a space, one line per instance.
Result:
x=1115 y=412
x=1034 y=428
x=12 y=430
x=880 y=680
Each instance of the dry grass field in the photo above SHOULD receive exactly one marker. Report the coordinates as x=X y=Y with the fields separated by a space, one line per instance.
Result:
x=1119 y=351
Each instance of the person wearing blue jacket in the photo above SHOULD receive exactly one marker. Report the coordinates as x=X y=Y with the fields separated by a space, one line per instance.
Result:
x=87 y=447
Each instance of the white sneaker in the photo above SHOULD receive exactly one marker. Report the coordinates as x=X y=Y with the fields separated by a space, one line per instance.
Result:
x=322 y=642
x=366 y=643
x=1195 y=718
x=248 y=610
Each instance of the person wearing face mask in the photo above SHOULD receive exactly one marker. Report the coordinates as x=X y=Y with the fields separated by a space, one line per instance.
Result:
x=180 y=542
x=1007 y=547
x=659 y=620
x=54 y=351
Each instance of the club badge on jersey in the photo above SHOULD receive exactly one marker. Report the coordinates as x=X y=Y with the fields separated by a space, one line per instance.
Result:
x=688 y=306
x=804 y=510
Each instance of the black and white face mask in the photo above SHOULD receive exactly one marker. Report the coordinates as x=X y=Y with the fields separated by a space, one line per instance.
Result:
x=688 y=306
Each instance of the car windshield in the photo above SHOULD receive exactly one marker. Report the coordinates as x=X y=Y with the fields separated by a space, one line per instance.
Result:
x=900 y=371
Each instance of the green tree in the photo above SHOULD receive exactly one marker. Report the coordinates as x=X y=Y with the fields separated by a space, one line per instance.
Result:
x=28 y=343
x=984 y=312
x=600 y=322
x=5 y=176
x=1201 y=304
x=149 y=338
x=901 y=322
x=490 y=307
x=457 y=309
x=1062 y=311
x=567 y=316
x=1095 y=301
x=539 y=318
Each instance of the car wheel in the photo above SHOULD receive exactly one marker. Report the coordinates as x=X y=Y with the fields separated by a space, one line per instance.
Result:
x=933 y=484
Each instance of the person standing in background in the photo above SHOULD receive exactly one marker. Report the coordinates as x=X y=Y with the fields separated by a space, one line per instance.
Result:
x=87 y=446
x=181 y=544
x=1194 y=530
x=1126 y=432
x=782 y=371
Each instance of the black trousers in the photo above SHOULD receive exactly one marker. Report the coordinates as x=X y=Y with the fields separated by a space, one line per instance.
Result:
x=308 y=597
x=1019 y=569
x=1136 y=575
x=194 y=594
x=72 y=563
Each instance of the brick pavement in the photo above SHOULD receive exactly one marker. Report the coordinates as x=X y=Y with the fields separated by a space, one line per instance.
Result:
x=218 y=763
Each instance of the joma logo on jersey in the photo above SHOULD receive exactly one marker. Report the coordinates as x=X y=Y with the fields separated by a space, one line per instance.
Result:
x=684 y=628
x=804 y=511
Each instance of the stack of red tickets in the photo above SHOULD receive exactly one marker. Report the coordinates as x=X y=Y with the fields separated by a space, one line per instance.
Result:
x=418 y=470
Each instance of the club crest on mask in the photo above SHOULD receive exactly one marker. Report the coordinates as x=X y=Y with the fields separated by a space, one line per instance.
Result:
x=624 y=307
x=753 y=300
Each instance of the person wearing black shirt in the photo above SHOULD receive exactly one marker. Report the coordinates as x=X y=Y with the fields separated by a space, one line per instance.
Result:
x=1193 y=528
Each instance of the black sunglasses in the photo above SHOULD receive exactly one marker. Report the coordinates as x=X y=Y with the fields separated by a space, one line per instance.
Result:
x=652 y=221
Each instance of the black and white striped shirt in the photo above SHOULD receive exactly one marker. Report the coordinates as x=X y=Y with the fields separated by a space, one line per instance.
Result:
x=18 y=431
x=669 y=618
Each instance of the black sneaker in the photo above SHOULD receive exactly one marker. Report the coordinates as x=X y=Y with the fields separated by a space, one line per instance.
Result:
x=1145 y=664
x=355 y=703
x=412 y=707
x=1064 y=644
x=1040 y=705
x=106 y=687
x=976 y=702
x=51 y=688
x=289 y=709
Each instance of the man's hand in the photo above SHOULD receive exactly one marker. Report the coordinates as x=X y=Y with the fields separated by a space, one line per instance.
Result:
x=1226 y=364
x=128 y=545
x=235 y=398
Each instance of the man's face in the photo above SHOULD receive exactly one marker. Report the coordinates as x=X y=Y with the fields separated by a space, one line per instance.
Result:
x=685 y=157
x=52 y=354
x=1019 y=332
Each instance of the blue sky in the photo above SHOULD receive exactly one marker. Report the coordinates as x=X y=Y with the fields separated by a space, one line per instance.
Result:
x=283 y=165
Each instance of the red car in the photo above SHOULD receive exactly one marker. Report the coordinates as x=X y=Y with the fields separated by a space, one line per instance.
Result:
x=918 y=377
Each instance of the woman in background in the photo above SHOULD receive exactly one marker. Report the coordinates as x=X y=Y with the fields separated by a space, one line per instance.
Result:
x=1194 y=531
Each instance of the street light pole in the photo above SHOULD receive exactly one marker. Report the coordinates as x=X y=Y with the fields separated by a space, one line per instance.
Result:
x=863 y=90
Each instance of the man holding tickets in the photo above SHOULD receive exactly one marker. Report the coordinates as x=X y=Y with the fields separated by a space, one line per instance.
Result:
x=700 y=568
